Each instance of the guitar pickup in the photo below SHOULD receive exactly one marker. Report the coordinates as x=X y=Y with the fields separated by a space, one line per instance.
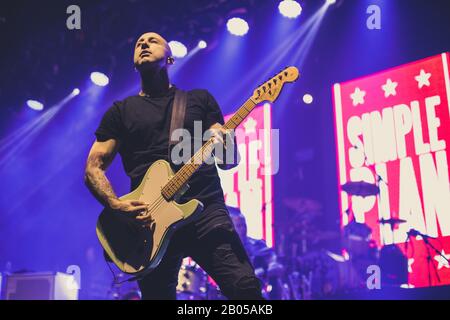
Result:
x=180 y=193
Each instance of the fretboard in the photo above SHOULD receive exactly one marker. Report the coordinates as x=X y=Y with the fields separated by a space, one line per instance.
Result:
x=174 y=185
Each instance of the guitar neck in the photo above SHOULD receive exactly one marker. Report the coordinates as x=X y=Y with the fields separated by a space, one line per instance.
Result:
x=176 y=183
x=268 y=91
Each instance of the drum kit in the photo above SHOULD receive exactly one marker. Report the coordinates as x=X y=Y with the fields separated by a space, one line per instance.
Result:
x=300 y=249
x=362 y=251
x=314 y=271
x=390 y=257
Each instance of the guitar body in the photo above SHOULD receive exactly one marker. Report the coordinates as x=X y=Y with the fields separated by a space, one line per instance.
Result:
x=136 y=249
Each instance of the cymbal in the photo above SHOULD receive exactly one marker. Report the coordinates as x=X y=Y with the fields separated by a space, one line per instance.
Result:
x=361 y=188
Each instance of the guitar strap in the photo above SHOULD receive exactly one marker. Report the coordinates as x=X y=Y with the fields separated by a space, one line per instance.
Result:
x=177 y=121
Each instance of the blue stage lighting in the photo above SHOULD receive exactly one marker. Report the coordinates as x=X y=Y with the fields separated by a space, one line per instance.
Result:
x=76 y=91
x=179 y=50
x=35 y=105
x=99 y=79
x=237 y=26
x=202 y=44
x=290 y=8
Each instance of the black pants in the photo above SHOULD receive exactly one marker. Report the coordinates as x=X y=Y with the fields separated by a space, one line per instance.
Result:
x=216 y=248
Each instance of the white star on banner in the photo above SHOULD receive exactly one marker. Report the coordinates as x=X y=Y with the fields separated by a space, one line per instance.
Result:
x=250 y=125
x=410 y=262
x=423 y=79
x=441 y=261
x=358 y=96
x=389 y=88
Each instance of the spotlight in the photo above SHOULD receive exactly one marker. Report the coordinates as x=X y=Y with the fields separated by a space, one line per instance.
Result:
x=202 y=44
x=290 y=8
x=307 y=98
x=99 y=79
x=237 y=26
x=35 y=105
x=330 y=2
x=76 y=92
x=179 y=50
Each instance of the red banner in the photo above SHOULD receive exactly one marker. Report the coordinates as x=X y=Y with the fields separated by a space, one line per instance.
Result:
x=393 y=130
x=249 y=185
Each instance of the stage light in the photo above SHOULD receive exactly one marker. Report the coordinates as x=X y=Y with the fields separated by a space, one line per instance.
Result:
x=307 y=98
x=99 y=79
x=237 y=26
x=330 y=2
x=290 y=8
x=35 y=105
x=202 y=44
x=179 y=50
x=76 y=91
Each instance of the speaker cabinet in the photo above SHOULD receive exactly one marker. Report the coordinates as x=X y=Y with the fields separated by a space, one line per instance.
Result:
x=40 y=286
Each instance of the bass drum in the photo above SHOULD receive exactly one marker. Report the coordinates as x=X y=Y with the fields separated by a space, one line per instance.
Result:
x=191 y=283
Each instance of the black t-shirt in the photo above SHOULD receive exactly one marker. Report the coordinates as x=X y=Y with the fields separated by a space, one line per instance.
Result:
x=142 y=124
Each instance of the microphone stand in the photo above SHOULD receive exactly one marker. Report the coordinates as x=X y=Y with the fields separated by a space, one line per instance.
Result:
x=428 y=245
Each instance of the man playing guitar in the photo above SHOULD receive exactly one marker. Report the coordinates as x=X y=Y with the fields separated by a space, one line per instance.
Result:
x=138 y=128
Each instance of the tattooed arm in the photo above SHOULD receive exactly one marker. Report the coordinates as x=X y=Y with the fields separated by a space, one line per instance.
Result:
x=99 y=159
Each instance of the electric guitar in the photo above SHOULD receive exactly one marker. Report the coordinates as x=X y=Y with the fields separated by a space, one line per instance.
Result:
x=137 y=249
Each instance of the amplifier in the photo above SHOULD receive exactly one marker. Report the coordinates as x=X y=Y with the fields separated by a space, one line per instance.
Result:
x=40 y=286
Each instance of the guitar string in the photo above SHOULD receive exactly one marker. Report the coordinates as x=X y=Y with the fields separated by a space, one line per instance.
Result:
x=155 y=205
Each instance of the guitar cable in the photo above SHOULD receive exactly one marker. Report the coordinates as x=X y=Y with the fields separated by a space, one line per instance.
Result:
x=115 y=278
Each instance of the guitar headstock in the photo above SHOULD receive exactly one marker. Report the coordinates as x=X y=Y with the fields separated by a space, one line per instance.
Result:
x=270 y=90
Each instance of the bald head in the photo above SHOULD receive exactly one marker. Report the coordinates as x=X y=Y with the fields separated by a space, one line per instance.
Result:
x=152 y=50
